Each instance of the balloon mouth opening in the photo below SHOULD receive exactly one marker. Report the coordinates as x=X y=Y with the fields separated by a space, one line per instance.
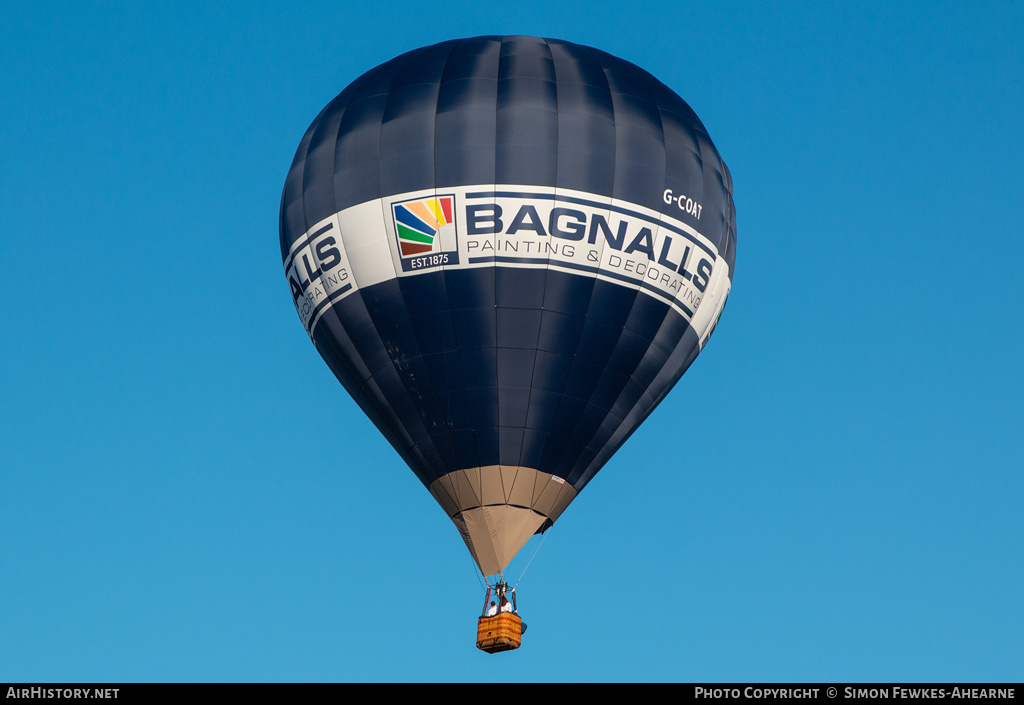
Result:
x=513 y=573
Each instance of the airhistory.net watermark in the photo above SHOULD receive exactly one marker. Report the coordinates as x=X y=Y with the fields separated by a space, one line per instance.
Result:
x=63 y=693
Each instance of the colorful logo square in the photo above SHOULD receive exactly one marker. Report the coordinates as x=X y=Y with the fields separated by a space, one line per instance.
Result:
x=418 y=224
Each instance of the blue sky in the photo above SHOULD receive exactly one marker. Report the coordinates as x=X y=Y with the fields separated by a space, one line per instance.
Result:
x=176 y=461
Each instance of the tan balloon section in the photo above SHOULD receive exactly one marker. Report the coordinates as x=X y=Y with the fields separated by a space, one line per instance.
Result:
x=497 y=508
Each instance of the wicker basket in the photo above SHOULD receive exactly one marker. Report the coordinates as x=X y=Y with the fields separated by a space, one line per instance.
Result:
x=502 y=632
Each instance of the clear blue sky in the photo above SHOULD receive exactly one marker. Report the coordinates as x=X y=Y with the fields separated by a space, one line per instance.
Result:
x=173 y=450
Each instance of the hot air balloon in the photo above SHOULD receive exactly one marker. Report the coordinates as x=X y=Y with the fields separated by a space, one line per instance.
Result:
x=508 y=250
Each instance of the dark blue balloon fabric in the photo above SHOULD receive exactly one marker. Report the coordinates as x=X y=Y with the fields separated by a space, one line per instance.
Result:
x=544 y=367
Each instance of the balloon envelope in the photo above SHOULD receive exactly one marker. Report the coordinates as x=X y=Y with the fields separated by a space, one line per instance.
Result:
x=508 y=250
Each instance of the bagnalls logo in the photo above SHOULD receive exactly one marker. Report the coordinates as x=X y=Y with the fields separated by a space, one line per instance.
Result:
x=425 y=229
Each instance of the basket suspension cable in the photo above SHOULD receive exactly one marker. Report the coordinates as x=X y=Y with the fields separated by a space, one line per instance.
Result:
x=476 y=571
x=534 y=555
x=487 y=599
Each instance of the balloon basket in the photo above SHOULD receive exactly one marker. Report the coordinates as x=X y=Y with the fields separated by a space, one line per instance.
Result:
x=502 y=632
